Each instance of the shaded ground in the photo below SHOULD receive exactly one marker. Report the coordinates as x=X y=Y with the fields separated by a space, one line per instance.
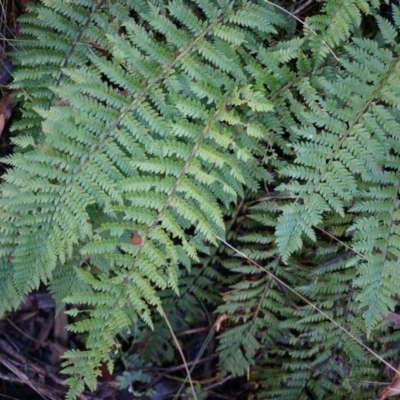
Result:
x=32 y=340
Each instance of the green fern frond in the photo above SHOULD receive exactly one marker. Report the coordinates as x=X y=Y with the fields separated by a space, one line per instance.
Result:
x=154 y=131
x=113 y=153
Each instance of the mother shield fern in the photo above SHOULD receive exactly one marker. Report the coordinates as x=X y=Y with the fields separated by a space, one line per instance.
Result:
x=146 y=123
x=151 y=119
x=333 y=215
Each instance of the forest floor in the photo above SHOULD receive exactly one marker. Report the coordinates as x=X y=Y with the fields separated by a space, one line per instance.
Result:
x=32 y=341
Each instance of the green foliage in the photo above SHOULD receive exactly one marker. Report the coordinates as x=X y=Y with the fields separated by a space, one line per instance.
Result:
x=151 y=132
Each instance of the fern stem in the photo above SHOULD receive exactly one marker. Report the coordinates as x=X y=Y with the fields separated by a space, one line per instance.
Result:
x=341 y=242
x=180 y=351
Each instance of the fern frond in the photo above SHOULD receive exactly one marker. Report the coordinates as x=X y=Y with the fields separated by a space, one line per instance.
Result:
x=124 y=148
x=153 y=129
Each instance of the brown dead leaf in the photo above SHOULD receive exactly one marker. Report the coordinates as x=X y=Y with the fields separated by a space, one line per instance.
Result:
x=2 y=122
x=393 y=389
x=219 y=321
x=5 y=111
x=5 y=104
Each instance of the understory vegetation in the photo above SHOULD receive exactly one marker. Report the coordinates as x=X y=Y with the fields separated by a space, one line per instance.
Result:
x=228 y=168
